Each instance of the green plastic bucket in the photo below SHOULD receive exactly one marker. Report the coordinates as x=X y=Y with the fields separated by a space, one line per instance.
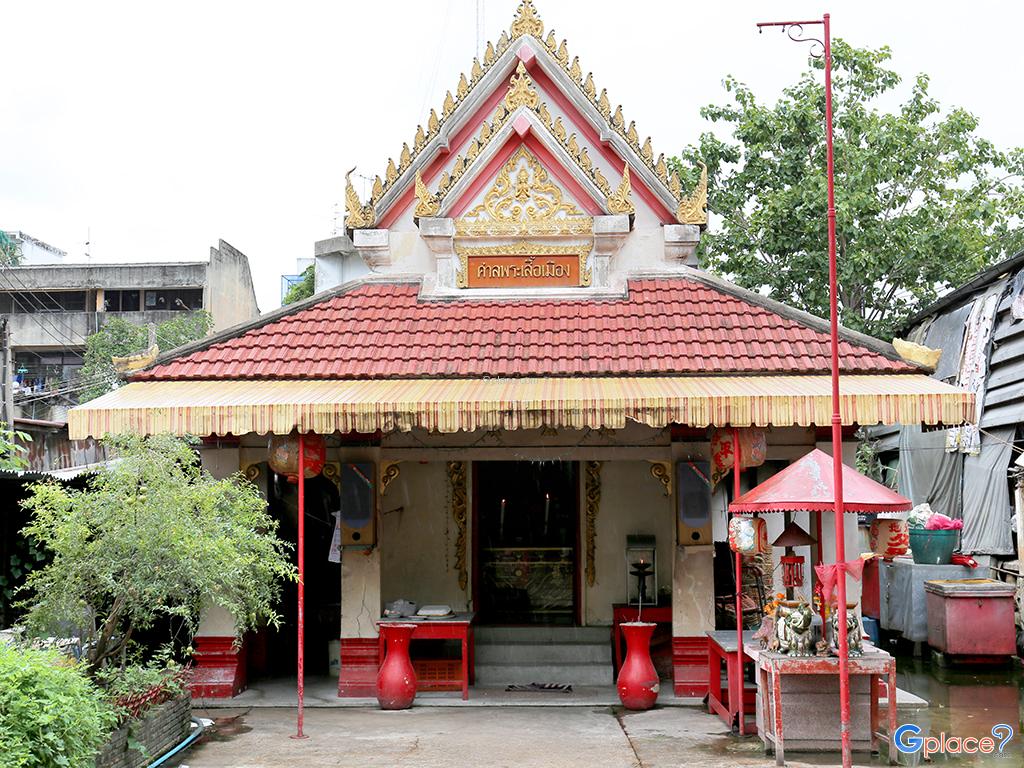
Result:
x=932 y=547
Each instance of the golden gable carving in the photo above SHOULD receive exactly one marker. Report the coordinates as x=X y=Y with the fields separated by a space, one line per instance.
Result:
x=524 y=201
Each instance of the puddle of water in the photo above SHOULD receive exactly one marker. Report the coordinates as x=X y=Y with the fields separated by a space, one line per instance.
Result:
x=224 y=729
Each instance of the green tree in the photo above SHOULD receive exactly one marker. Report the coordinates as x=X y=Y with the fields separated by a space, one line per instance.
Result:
x=10 y=251
x=303 y=289
x=13 y=456
x=119 y=338
x=922 y=201
x=152 y=535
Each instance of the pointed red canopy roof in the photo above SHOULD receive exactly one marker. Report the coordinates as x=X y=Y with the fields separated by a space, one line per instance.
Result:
x=806 y=485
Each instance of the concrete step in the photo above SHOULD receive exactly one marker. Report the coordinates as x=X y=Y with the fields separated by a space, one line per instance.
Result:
x=574 y=673
x=541 y=634
x=543 y=653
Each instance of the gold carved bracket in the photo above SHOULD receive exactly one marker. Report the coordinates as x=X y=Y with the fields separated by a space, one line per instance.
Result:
x=662 y=472
x=592 y=493
x=389 y=471
x=457 y=480
x=332 y=472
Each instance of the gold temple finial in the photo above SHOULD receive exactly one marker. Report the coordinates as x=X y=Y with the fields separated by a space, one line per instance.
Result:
x=562 y=54
x=527 y=22
x=621 y=200
x=575 y=71
x=618 y=121
x=588 y=86
x=426 y=204
x=521 y=92
x=357 y=215
x=693 y=209
x=647 y=151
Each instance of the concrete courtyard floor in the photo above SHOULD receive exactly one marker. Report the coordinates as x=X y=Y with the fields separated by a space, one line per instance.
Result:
x=481 y=737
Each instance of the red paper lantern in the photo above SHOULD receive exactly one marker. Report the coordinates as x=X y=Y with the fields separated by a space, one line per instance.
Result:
x=889 y=538
x=748 y=535
x=283 y=456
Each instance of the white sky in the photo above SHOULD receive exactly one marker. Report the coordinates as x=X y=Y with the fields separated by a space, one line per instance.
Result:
x=159 y=128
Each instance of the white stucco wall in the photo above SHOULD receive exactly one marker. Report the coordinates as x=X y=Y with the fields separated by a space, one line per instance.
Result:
x=417 y=536
x=632 y=501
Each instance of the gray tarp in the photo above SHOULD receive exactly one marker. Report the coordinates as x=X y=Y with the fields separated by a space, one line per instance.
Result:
x=901 y=605
x=927 y=474
x=947 y=333
x=987 y=504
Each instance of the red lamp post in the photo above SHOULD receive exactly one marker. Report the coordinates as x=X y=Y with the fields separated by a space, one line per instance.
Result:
x=795 y=31
x=301 y=587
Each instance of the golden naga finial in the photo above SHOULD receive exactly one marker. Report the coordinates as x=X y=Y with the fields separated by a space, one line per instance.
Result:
x=426 y=204
x=621 y=200
x=527 y=22
x=693 y=209
x=521 y=92
x=357 y=215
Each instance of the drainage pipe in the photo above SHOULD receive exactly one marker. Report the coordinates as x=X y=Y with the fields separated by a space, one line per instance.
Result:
x=196 y=733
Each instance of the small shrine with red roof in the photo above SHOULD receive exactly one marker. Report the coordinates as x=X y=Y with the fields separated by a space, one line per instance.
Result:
x=518 y=385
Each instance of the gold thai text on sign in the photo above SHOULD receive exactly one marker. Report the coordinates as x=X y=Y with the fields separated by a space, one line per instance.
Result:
x=514 y=271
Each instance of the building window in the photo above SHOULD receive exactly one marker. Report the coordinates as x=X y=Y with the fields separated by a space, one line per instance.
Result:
x=174 y=298
x=121 y=300
x=22 y=302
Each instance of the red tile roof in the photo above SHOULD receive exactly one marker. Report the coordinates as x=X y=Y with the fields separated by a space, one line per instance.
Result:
x=675 y=325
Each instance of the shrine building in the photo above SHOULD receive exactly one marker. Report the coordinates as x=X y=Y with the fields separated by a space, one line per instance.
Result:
x=523 y=386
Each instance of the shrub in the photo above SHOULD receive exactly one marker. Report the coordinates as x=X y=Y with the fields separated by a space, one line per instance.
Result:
x=152 y=537
x=50 y=712
x=136 y=687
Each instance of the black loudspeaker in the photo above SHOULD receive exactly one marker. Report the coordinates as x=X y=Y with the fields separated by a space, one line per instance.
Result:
x=358 y=504
x=693 y=503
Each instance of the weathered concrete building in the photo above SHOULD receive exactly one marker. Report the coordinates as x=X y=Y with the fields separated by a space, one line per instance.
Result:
x=51 y=308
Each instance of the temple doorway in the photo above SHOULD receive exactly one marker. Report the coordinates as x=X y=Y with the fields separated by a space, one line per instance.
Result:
x=527 y=542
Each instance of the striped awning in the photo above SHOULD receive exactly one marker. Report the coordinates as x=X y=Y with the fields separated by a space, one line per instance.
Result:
x=449 y=405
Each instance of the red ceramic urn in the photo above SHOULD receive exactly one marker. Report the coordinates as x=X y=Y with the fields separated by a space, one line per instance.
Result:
x=638 y=681
x=396 y=680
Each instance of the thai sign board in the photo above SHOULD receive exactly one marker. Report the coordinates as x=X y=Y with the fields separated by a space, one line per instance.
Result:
x=516 y=271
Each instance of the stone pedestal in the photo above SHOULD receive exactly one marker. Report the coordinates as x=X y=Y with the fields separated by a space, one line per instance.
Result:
x=219 y=671
x=810 y=713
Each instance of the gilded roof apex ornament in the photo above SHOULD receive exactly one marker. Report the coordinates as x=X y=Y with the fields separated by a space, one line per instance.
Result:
x=527 y=22
x=693 y=209
x=621 y=200
x=521 y=92
x=426 y=204
x=357 y=215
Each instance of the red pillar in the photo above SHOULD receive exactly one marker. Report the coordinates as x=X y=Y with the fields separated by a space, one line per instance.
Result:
x=302 y=577
x=739 y=579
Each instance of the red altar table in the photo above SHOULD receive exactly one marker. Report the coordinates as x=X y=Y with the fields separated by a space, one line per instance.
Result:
x=878 y=665
x=722 y=648
x=622 y=613
x=459 y=626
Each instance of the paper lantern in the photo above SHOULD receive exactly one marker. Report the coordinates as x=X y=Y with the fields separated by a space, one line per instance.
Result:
x=748 y=535
x=753 y=449
x=283 y=456
x=889 y=538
